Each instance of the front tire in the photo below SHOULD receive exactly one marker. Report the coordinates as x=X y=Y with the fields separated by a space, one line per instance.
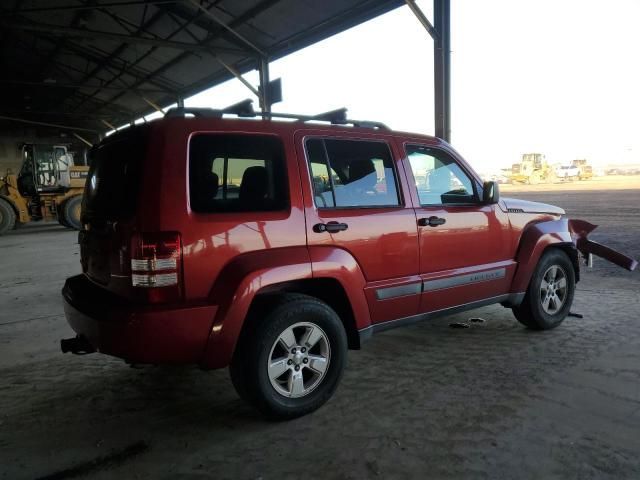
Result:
x=550 y=293
x=290 y=359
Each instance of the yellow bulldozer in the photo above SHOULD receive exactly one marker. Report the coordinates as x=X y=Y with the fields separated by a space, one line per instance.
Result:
x=533 y=169
x=48 y=187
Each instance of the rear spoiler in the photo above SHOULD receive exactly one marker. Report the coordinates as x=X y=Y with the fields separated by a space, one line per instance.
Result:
x=579 y=230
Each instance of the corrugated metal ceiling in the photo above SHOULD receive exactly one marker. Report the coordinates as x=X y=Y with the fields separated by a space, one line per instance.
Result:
x=83 y=62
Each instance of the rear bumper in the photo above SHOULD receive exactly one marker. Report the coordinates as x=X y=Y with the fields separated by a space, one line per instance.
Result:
x=136 y=333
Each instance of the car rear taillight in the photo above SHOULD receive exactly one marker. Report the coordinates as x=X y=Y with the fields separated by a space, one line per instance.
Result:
x=156 y=262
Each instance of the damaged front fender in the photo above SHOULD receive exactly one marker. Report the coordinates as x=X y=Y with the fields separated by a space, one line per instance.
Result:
x=579 y=230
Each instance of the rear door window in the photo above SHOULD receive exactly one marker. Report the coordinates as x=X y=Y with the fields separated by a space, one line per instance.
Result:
x=237 y=173
x=352 y=173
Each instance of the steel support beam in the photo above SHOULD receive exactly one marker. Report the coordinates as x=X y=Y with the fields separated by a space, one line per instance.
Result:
x=13 y=113
x=441 y=34
x=263 y=69
x=422 y=18
x=79 y=86
x=233 y=71
x=153 y=105
x=109 y=125
x=442 y=68
x=231 y=30
x=82 y=139
x=45 y=124
x=95 y=6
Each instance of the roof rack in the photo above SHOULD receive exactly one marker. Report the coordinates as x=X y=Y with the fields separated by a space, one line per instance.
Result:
x=244 y=109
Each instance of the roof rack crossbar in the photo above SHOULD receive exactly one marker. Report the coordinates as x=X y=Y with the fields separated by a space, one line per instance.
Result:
x=241 y=109
x=368 y=124
x=195 y=111
x=336 y=117
x=245 y=109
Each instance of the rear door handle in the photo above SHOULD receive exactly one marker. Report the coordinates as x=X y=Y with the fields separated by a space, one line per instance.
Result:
x=432 y=221
x=331 y=227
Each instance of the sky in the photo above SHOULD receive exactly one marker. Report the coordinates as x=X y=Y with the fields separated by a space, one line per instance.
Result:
x=559 y=77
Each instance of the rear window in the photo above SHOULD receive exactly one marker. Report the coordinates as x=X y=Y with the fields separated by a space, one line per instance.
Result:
x=114 y=176
x=237 y=173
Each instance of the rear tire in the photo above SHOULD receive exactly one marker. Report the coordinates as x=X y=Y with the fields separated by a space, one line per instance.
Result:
x=71 y=213
x=550 y=293
x=60 y=215
x=7 y=217
x=291 y=357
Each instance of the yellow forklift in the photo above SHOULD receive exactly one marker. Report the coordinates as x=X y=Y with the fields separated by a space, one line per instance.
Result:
x=48 y=187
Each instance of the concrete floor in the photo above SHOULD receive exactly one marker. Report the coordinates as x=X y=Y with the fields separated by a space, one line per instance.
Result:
x=427 y=401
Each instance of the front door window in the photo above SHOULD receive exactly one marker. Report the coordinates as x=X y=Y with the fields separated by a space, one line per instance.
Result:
x=439 y=179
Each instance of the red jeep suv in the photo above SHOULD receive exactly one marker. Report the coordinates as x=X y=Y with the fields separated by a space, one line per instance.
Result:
x=272 y=247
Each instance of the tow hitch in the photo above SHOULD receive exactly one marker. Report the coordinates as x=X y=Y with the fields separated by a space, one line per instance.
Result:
x=78 y=345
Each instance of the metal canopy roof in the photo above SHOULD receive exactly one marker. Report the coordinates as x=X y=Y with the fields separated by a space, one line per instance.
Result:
x=81 y=63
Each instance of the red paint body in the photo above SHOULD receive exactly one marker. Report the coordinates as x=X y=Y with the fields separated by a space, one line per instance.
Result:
x=228 y=259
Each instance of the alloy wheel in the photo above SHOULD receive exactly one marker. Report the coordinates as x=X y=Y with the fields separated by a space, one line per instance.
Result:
x=299 y=360
x=553 y=289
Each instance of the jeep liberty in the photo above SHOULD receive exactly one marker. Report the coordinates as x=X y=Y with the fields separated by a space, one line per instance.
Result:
x=273 y=247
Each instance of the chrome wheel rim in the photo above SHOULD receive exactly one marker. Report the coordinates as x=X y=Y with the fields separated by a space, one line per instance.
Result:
x=553 y=289
x=299 y=360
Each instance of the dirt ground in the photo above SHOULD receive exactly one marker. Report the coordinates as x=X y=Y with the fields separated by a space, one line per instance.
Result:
x=426 y=401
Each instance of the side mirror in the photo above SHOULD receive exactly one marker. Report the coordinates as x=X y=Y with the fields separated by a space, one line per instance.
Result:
x=490 y=193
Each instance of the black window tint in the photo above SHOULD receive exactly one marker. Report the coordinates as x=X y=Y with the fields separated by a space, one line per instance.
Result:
x=352 y=173
x=114 y=177
x=237 y=173
x=439 y=179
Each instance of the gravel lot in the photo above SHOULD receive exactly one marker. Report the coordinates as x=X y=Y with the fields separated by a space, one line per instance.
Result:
x=427 y=401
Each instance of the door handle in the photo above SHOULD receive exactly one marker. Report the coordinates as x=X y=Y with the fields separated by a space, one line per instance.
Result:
x=331 y=227
x=432 y=221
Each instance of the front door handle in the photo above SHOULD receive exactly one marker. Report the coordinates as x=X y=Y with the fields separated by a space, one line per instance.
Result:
x=331 y=227
x=432 y=221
